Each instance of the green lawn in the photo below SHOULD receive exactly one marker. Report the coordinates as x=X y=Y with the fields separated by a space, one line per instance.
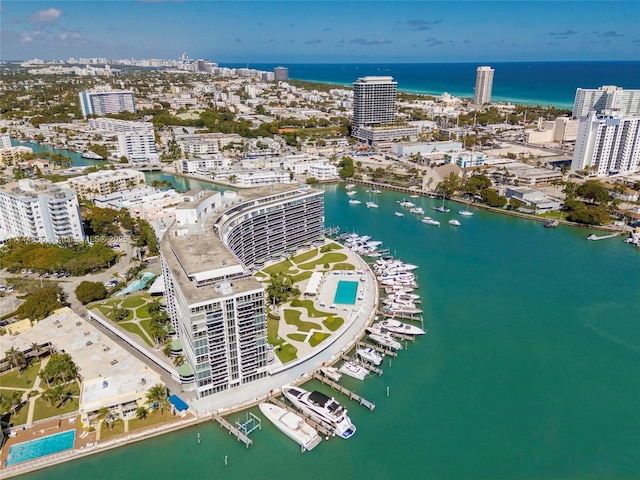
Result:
x=133 y=328
x=272 y=332
x=106 y=433
x=111 y=316
x=280 y=267
x=153 y=418
x=43 y=410
x=143 y=312
x=306 y=256
x=292 y=317
x=134 y=302
x=325 y=259
x=317 y=338
x=287 y=353
x=302 y=276
x=343 y=266
x=331 y=246
x=17 y=379
x=311 y=309
x=21 y=417
x=146 y=326
x=104 y=309
x=298 y=337
x=333 y=323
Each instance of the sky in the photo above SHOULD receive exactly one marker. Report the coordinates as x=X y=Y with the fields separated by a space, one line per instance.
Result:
x=330 y=31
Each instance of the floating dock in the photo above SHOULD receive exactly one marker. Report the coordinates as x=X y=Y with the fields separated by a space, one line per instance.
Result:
x=233 y=430
x=320 y=427
x=346 y=392
x=594 y=237
x=366 y=365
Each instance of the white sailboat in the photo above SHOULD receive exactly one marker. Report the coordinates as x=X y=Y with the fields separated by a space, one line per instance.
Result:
x=465 y=211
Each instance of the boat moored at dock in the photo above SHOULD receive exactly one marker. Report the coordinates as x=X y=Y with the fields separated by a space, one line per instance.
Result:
x=352 y=369
x=292 y=425
x=369 y=355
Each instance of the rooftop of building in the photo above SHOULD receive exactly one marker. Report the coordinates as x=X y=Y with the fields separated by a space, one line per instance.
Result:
x=30 y=188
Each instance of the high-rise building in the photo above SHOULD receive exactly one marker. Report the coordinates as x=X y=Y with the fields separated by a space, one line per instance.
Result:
x=607 y=144
x=138 y=147
x=103 y=102
x=216 y=307
x=484 y=84
x=281 y=74
x=39 y=210
x=374 y=101
x=606 y=98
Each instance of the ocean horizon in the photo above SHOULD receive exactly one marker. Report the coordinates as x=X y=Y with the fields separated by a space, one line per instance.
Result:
x=527 y=83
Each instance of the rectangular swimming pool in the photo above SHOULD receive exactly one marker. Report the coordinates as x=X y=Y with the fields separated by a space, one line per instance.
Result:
x=25 y=451
x=346 y=293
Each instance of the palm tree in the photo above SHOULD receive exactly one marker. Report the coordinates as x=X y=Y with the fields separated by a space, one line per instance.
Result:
x=35 y=349
x=15 y=357
x=157 y=395
x=141 y=413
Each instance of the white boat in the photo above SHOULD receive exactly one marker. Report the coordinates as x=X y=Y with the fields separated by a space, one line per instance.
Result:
x=353 y=201
x=406 y=203
x=414 y=196
x=386 y=340
x=91 y=155
x=454 y=222
x=292 y=425
x=372 y=205
x=331 y=373
x=442 y=208
x=349 y=186
x=321 y=408
x=465 y=213
x=417 y=210
x=354 y=370
x=369 y=355
x=430 y=221
x=398 y=214
x=351 y=192
x=395 y=326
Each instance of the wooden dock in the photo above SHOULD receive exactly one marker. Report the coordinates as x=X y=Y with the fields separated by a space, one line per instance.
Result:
x=346 y=392
x=368 y=366
x=322 y=427
x=379 y=349
x=594 y=237
x=232 y=429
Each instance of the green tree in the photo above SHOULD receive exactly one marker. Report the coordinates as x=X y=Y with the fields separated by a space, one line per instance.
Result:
x=347 y=169
x=594 y=191
x=15 y=357
x=88 y=292
x=516 y=203
x=142 y=412
x=492 y=198
x=41 y=303
x=450 y=185
x=157 y=397
x=59 y=369
x=475 y=183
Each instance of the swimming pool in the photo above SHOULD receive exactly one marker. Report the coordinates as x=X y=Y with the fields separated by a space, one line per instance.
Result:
x=138 y=284
x=346 y=293
x=25 y=451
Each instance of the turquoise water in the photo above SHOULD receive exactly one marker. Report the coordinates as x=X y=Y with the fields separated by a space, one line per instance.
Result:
x=346 y=293
x=137 y=284
x=25 y=451
x=530 y=368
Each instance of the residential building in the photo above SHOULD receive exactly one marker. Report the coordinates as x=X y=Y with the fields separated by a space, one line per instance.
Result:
x=106 y=181
x=533 y=199
x=103 y=102
x=39 y=210
x=138 y=147
x=484 y=85
x=203 y=165
x=374 y=101
x=607 y=144
x=606 y=98
x=217 y=308
x=466 y=159
x=119 y=126
x=323 y=171
x=566 y=130
x=5 y=142
x=281 y=74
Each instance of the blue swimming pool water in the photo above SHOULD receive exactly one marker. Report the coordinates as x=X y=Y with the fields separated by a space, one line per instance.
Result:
x=23 y=452
x=346 y=293
x=138 y=284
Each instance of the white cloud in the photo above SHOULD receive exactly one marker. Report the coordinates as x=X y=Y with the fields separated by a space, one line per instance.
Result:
x=48 y=15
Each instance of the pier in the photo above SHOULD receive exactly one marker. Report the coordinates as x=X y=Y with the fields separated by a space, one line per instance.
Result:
x=232 y=429
x=379 y=349
x=366 y=365
x=346 y=392
x=594 y=237
x=320 y=427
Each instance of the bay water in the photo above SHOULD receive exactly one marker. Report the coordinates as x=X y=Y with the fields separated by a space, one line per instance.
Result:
x=530 y=368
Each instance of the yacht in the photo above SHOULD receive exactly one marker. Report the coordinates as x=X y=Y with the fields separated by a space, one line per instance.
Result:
x=331 y=373
x=321 y=408
x=417 y=210
x=398 y=214
x=386 y=340
x=349 y=186
x=430 y=221
x=454 y=222
x=91 y=155
x=369 y=355
x=353 y=201
x=406 y=204
x=465 y=213
x=351 y=192
x=441 y=209
x=372 y=205
x=292 y=425
x=395 y=326
x=354 y=370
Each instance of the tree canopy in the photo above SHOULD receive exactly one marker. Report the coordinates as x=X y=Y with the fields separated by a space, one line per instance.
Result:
x=41 y=303
x=88 y=292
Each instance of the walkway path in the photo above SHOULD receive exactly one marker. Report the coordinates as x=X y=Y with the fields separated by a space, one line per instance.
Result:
x=36 y=387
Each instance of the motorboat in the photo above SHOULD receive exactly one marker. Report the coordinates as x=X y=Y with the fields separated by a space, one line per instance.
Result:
x=91 y=155
x=430 y=221
x=331 y=373
x=372 y=205
x=406 y=204
x=349 y=186
x=321 y=408
x=417 y=210
x=351 y=192
x=369 y=355
x=465 y=213
x=454 y=222
x=394 y=326
x=386 y=340
x=442 y=208
x=398 y=214
x=353 y=201
x=414 y=196
x=354 y=370
x=292 y=425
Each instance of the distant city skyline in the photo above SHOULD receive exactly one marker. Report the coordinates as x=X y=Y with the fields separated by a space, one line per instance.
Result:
x=323 y=32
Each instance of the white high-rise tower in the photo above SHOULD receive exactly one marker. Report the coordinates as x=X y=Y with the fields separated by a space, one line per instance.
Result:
x=484 y=84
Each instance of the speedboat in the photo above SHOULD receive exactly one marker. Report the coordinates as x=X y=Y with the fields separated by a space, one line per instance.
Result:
x=372 y=205
x=395 y=326
x=369 y=355
x=351 y=192
x=406 y=203
x=386 y=340
x=398 y=214
x=417 y=210
x=430 y=221
x=349 y=186
x=454 y=222
x=354 y=370
x=331 y=373
x=292 y=425
x=321 y=408
x=353 y=201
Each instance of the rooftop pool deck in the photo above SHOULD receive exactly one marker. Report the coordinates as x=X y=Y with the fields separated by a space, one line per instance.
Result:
x=346 y=293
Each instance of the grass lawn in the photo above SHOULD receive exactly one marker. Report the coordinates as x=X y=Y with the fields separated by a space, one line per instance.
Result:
x=325 y=259
x=133 y=328
x=311 y=309
x=292 y=317
x=318 y=337
x=105 y=433
x=104 y=309
x=282 y=267
x=21 y=417
x=43 y=410
x=287 y=353
x=306 y=256
x=153 y=418
x=333 y=323
x=25 y=379
x=143 y=312
x=302 y=276
x=134 y=302
x=298 y=337
x=146 y=326
x=331 y=246
x=110 y=303
x=343 y=266
x=111 y=316
x=272 y=332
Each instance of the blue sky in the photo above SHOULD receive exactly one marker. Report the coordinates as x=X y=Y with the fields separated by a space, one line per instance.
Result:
x=331 y=31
